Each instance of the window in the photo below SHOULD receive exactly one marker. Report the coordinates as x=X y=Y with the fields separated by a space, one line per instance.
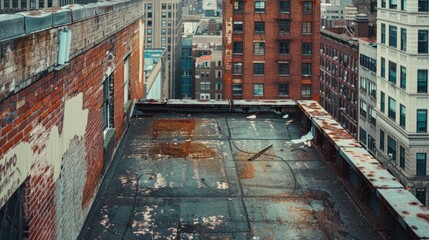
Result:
x=393 y=4
x=372 y=89
x=403 y=5
x=362 y=136
x=363 y=109
x=238 y=27
x=421 y=195
x=391 y=148
x=108 y=102
x=258 y=48
x=218 y=86
x=308 y=7
x=423 y=5
x=306 y=91
x=258 y=89
x=306 y=48
x=283 y=47
x=421 y=164
x=383 y=68
x=368 y=63
x=238 y=7
x=403 y=77
x=402 y=115
x=372 y=116
x=421 y=120
x=237 y=48
x=392 y=36
x=403 y=39
x=283 y=89
x=371 y=144
x=383 y=3
x=306 y=27
x=258 y=68
x=392 y=108
x=381 y=140
x=237 y=68
x=284 y=6
x=283 y=68
x=392 y=72
x=126 y=80
x=383 y=33
x=284 y=26
x=259 y=27
x=423 y=41
x=306 y=69
x=163 y=31
x=382 y=101
x=259 y=6
x=401 y=157
x=205 y=86
x=237 y=89
x=422 y=81
x=163 y=23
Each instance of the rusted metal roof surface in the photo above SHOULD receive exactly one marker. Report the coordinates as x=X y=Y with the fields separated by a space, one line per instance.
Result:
x=370 y=168
x=412 y=212
x=414 y=215
x=187 y=176
x=335 y=132
x=312 y=109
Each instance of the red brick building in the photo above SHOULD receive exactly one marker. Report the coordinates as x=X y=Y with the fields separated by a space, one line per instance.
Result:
x=339 y=78
x=271 y=49
x=68 y=78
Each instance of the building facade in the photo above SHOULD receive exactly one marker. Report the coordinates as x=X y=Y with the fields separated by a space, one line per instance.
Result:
x=338 y=78
x=163 y=28
x=402 y=92
x=187 y=68
x=66 y=93
x=271 y=49
x=156 y=75
x=367 y=96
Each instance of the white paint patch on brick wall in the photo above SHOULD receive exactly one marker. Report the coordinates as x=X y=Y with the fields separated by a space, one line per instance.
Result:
x=69 y=213
x=74 y=124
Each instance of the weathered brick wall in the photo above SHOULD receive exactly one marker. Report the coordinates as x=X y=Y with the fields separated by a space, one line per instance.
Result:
x=53 y=127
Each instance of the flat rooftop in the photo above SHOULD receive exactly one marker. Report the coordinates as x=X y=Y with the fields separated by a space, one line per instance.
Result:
x=187 y=176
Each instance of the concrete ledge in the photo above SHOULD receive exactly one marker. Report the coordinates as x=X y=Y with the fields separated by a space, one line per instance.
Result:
x=60 y=16
x=36 y=20
x=11 y=26
x=104 y=7
x=77 y=12
x=90 y=10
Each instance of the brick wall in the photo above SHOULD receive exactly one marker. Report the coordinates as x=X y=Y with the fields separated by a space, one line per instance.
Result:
x=57 y=116
x=271 y=78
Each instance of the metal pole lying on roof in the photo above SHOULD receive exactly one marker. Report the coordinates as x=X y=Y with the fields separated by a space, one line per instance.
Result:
x=260 y=153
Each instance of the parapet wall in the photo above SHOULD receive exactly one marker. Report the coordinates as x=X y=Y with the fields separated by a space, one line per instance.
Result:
x=29 y=40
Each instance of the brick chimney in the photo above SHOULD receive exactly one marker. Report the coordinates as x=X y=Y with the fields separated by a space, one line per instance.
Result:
x=361 y=25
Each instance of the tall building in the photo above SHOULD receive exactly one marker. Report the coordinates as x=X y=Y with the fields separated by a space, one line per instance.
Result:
x=187 y=63
x=402 y=91
x=338 y=77
x=163 y=20
x=207 y=58
x=271 y=49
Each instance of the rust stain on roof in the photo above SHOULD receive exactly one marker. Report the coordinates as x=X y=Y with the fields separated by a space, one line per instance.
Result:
x=247 y=171
x=182 y=150
x=173 y=127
